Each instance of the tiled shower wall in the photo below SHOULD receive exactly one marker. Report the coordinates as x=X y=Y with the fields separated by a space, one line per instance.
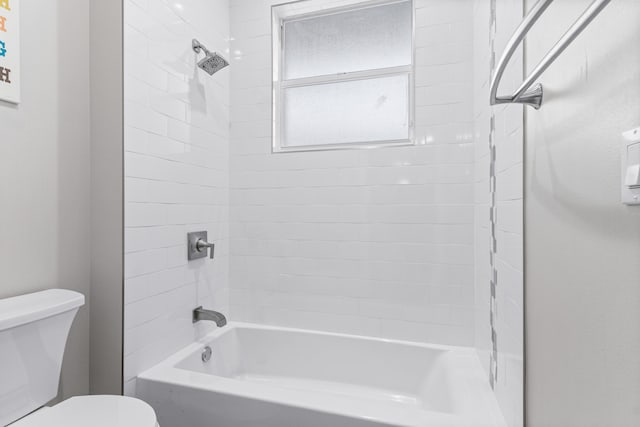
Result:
x=375 y=242
x=176 y=175
x=494 y=22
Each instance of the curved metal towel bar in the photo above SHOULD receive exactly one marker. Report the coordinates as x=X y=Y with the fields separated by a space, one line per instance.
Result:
x=525 y=94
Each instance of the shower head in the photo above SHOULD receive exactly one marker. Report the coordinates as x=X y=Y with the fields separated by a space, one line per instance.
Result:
x=212 y=62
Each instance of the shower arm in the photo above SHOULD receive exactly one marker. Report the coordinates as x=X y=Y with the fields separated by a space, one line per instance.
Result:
x=525 y=94
x=197 y=47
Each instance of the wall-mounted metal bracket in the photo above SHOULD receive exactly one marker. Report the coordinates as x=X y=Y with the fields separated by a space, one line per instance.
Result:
x=526 y=94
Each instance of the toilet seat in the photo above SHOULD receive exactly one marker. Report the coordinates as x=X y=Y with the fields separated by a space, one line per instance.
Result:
x=94 y=411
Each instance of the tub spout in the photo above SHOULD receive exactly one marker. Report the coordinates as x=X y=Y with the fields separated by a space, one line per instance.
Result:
x=202 y=314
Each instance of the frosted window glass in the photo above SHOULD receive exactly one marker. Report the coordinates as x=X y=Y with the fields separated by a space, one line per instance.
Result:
x=356 y=40
x=370 y=110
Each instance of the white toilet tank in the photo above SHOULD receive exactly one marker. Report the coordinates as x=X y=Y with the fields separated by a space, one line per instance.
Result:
x=33 y=334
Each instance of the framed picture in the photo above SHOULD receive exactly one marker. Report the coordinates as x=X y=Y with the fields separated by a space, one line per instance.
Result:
x=10 y=51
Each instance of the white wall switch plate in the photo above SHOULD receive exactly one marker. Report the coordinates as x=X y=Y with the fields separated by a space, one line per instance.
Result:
x=630 y=167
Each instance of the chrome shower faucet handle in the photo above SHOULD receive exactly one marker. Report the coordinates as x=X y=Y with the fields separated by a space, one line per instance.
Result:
x=198 y=246
x=203 y=245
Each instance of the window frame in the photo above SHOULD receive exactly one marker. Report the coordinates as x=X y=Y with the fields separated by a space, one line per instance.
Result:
x=279 y=84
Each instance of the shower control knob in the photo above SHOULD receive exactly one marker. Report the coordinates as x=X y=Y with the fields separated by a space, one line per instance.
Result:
x=198 y=246
x=203 y=245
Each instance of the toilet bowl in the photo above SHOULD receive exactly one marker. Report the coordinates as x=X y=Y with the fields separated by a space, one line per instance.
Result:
x=33 y=334
x=94 y=411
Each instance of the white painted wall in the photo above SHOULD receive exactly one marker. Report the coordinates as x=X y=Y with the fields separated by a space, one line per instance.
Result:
x=509 y=141
x=176 y=175
x=373 y=242
x=45 y=170
x=583 y=245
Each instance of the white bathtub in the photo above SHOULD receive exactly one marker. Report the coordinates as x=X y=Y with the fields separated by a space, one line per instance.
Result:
x=276 y=377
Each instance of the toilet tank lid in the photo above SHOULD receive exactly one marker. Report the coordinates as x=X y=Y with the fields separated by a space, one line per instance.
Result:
x=29 y=308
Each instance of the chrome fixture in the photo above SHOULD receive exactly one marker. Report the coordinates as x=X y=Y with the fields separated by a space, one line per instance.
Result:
x=212 y=62
x=525 y=94
x=197 y=246
x=206 y=354
x=202 y=314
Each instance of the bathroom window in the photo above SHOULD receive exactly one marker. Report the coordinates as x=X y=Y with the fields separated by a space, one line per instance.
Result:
x=343 y=77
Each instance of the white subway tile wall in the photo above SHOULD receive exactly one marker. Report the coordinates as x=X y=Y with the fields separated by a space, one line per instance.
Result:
x=376 y=242
x=176 y=175
x=509 y=125
x=390 y=242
